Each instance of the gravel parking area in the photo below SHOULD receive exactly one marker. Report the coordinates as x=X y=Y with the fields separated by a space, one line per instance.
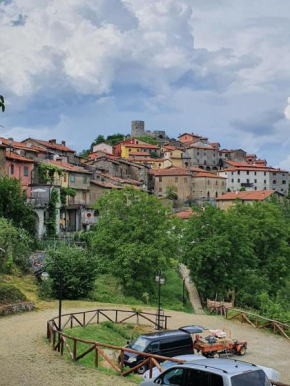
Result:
x=26 y=360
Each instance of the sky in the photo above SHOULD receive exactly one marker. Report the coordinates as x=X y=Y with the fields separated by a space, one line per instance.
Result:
x=74 y=69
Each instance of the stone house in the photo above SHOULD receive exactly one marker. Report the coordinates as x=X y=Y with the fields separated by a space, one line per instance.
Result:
x=207 y=186
x=103 y=147
x=178 y=178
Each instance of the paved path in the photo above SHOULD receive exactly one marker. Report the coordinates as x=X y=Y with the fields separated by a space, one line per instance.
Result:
x=192 y=291
x=25 y=360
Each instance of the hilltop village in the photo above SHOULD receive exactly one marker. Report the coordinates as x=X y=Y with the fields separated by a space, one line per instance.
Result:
x=189 y=170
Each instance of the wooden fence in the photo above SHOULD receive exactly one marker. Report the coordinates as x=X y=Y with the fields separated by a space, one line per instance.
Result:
x=260 y=322
x=61 y=341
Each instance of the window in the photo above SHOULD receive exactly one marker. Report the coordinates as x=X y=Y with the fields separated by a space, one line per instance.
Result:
x=283 y=182
x=160 y=189
x=25 y=171
x=85 y=179
x=176 y=179
x=248 y=181
x=137 y=142
x=274 y=181
x=239 y=180
x=239 y=172
x=264 y=173
x=64 y=177
x=274 y=174
x=253 y=378
x=255 y=173
x=232 y=180
x=72 y=178
x=173 y=377
x=204 y=162
x=154 y=347
x=255 y=181
x=232 y=173
x=160 y=179
x=248 y=172
x=11 y=169
x=265 y=181
x=198 y=153
x=196 y=377
x=255 y=187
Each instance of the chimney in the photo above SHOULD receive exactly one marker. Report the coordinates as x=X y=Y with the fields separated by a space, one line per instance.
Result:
x=10 y=141
x=53 y=141
x=63 y=143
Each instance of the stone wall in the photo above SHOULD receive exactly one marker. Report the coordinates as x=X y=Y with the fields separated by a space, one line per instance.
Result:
x=10 y=309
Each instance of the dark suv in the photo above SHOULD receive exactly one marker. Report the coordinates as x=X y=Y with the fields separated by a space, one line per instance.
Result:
x=165 y=343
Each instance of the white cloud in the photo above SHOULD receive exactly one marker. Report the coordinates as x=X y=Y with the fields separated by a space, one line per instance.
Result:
x=287 y=110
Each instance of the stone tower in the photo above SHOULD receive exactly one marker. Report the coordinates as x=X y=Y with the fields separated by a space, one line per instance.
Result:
x=137 y=129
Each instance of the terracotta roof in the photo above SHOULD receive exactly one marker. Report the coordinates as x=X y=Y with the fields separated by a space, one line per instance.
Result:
x=105 y=184
x=121 y=180
x=151 y=160
x=141 y=146
x=252 y=195
x=194 y=169
x=69 y=167
x=20 y=145
x=250 y=168
x=191 y=134
x=185 y=214
x=17 y=157
x=214 y=144
x=171 y=171
x=170 y=147
x=207 y=175
x=54 y=146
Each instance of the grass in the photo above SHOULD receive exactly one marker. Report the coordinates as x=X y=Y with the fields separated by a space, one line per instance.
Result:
x=108 y=333
x=107 y=290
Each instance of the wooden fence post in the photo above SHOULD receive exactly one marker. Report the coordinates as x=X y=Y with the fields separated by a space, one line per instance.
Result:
x=122 y=360
x=84 y=319
x=75 y=349
x=96 y=356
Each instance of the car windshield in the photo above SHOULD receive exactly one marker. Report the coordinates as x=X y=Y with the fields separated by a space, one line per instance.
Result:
x=139 y=344
x=253 y=378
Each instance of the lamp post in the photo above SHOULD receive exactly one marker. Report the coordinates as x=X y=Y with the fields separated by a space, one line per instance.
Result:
x=45 y=276
x=183 y=289
x=160 y=280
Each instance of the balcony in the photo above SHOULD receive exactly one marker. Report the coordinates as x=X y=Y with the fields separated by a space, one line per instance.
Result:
x=39 y=202
x=36 y=180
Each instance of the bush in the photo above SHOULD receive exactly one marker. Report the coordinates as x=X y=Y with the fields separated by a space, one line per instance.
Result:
x=45 y=289
x=10 y=294
x=79 y=270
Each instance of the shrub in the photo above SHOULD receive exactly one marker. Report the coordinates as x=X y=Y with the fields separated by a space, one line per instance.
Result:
x=10 y=294
x=79 y=270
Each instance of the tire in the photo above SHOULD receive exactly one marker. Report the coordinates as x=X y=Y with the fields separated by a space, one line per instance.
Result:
x=242 y=351
x=141 y=370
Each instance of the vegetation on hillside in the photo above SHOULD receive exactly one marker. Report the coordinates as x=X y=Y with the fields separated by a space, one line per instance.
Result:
x=242 y=253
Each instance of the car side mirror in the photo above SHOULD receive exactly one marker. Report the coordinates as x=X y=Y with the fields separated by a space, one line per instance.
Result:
x=158 y=381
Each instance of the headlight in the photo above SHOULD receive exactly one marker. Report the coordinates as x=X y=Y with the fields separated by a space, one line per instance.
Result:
x=132 y=359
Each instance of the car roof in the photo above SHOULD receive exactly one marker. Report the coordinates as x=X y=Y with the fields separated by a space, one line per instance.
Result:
x=227 y=366
x=165 y=334
x=186 y=330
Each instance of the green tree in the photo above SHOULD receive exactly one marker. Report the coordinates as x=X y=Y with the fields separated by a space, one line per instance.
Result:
x=148 y=139
x=79 y=270
x=170 y=192
x=135 y=236
x=16 y=246
x=218 y=250
x=97 y=141
x=114 y=138
x=51 y=230
x=13 y=204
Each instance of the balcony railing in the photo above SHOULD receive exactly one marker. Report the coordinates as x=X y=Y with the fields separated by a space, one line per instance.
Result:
x=39 y=202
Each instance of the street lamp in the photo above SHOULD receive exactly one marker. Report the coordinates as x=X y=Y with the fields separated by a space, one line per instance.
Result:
x=160 y=280
x=183 y=290
x=45 y=276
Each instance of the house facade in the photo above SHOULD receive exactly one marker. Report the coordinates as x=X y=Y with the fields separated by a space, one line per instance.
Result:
x=252 y=177
x=178 y=178
x=20 y=167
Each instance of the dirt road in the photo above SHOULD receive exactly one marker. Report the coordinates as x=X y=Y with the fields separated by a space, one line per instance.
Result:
x=26 y=361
